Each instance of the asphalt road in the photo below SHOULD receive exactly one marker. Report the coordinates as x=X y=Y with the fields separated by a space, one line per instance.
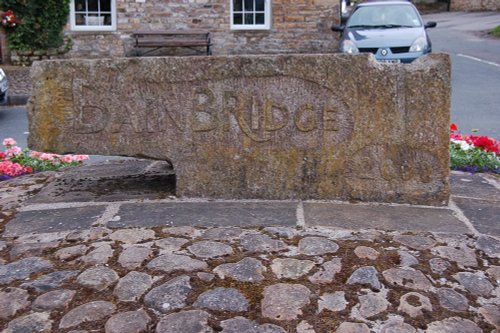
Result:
x=475 y=68
x=475 y=75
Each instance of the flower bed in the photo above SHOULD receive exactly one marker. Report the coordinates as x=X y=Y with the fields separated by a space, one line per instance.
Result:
x=15 y=161
x=473 y=153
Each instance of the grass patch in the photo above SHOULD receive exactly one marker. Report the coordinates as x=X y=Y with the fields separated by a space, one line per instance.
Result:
x=496 y=32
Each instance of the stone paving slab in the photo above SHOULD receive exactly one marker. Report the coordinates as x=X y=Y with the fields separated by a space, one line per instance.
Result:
x=482 y=214
x=385 y=217
x=53 y=220
x=473 y=186
x=206 y=214
x=111 y=181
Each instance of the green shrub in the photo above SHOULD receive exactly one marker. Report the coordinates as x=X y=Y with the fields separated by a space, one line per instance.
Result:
x=41 y=24
x=496 y=32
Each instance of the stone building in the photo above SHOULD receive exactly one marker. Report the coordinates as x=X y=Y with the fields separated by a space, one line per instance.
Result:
x=102 y=28
x=475 y=5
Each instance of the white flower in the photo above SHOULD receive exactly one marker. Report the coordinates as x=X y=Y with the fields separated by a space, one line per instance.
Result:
x=463 y=144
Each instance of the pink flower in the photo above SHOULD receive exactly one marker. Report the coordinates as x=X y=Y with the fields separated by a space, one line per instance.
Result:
x=35 y=154
x=46 y=157
x=9 y=142
x=80 y=158
x=2 y=155
x=10 y=169
x=14 y=151
x=66 y=158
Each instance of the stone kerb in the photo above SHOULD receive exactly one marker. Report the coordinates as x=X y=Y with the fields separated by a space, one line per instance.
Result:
x=265 y=127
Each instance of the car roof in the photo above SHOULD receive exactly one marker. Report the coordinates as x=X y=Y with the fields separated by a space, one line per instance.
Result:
x=385 y=2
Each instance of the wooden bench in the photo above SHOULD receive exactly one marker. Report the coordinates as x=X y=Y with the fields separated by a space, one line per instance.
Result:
x=154 y=40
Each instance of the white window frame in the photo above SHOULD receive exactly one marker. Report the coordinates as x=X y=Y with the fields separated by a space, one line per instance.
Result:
x=75 y=27
x=267 y=18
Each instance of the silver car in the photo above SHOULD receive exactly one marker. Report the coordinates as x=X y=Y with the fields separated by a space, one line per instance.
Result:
x=392 y=30
x=4 y=86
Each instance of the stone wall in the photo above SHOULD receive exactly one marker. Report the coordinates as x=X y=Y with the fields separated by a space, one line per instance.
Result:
x=298 y=26
x=474 y=5
x=266 y=127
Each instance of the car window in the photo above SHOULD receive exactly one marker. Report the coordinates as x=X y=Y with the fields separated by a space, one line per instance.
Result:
x=384 y=16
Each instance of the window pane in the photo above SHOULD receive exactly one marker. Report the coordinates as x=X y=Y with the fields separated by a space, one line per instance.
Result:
x=249 y=5
x=237 y=5
x=107 y=19
x=105 y=5
x=238 y=19
x=80 y=5
x=93 y=5
x=249 y=19
x=259 y=5
x=259 y=18
x=80 y=19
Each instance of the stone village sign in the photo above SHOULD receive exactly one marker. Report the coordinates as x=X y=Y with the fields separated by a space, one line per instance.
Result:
x=264 y=127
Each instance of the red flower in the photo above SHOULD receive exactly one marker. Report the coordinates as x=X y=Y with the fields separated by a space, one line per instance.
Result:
x=453 y=127
x=2 y=155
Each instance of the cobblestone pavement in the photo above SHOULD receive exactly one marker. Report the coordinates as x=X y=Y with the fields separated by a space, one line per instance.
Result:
x=240 y=279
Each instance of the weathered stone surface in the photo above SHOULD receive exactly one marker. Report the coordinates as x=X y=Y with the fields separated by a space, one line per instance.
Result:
x=452 y=300
x=327 y=273
x=71 y=252
x=397 y=326
x=240 y=324
x=92 y=311
x=132 y=236
x=133 y=257
x=370 y=305
x=272 y=112
x=494 y=272
x=305 y=327
x=407 y=277
x=185 y=231
x=193 y=321
x=464 y=257
x=261 y=243
x=207 y=277
x=22 y=269
x=222 y=299
x=282 y=231
x=438 y=265
x=415 y=242
x=290 y=268
x=453 y=325
x=365 y=275
x=208 y=249
x=99 y=256
x=35 y=322
x=169 y=296
x=223 y=233
x=491 y=313
x=31 y=249
x=132 y=286
x=50 y=281
x=414 y=304
x=365 y=252
x=53 y=300
x=332 y=302
x=347 y=327
x=284 y=301
x=169 y=263
x=476 y=283
x=128 y=322
x=313 y=246
x=171 y=244
x=406 y=259
x=97 y=278
x=489 y=245
x=11 y=301
x=246 y=270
